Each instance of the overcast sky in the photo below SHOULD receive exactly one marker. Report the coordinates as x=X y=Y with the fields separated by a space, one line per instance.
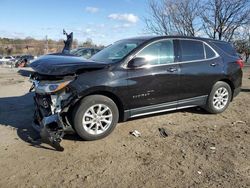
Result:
x=104 y=21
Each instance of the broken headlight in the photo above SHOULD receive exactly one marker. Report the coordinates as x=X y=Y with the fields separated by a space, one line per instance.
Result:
x=51 y=87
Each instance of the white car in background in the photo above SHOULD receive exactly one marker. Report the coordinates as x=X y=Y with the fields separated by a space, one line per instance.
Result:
x=6 y=59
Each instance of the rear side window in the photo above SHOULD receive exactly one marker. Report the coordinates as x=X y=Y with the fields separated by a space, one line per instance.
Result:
x=226 y=47
x=191 y=50
x=209 y=52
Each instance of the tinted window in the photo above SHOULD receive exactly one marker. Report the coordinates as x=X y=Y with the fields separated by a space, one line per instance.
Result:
x=158 y=53
x=226 y=47
x=209 y=52
x=191 y=50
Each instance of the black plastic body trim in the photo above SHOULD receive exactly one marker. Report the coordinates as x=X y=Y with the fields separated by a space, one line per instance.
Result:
x=186 y=103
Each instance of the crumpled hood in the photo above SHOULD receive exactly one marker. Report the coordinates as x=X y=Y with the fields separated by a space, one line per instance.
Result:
x=61 y=64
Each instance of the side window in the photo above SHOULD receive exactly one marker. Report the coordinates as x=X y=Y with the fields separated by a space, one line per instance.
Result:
x=191 y=50
x=209 y=52
x=158 y=53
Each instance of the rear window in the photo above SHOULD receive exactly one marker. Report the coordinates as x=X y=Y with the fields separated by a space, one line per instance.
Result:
x=226 y=47
x=191 y=50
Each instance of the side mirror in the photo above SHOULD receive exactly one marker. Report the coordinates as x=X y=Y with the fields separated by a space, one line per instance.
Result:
x=137 y=62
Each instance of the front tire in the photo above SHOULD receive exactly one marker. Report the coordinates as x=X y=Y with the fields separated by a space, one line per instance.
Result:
x=219 y=98
x=95 y=117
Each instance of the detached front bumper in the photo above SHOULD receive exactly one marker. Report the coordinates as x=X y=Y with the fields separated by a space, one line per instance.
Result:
x=49 y=127
x=49 y=117
x=43 y=115
x=46 y=121
x=53 y=99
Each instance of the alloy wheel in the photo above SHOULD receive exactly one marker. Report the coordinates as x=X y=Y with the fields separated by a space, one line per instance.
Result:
x=97 y=119
x=221 y=97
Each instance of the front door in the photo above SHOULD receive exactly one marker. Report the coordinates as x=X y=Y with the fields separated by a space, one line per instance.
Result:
x=156 y=85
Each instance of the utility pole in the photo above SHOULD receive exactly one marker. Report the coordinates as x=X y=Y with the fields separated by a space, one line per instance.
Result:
x=46 y=44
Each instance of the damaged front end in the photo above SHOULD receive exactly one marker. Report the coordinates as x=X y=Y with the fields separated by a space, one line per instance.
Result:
x=53 y=98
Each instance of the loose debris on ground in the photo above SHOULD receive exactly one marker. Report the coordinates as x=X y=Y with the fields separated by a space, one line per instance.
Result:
x=135 y=133
x=163 y=132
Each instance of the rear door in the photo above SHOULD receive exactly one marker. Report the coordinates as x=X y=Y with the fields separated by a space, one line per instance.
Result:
x=158 y=82
x=200 y=67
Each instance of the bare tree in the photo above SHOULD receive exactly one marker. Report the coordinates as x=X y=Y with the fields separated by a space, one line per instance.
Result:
x=158 y=21
x=221 y=18
x=173 y=17
x=184 y=15
x=242 y=42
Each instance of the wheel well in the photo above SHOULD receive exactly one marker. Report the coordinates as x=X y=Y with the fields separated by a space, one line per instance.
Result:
x=230 y=83
x=116 y=100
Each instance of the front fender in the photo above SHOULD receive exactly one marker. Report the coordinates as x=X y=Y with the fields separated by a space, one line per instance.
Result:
x=101 y=81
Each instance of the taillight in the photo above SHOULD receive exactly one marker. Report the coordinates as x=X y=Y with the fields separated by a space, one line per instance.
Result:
x=240 y=62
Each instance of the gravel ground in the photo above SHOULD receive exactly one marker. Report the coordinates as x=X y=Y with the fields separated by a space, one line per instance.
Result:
x=202 y=150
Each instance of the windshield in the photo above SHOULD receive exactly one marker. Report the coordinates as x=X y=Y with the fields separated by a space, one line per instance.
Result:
x=116 y=51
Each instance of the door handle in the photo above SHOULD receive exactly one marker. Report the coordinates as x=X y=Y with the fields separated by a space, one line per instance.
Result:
x=213 y=64
x=172 y=69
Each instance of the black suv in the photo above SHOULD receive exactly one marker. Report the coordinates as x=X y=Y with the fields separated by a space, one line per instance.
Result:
x=133 y=77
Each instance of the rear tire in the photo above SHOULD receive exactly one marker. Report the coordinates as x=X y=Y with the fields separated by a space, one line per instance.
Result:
x=219 y=98
x=95 y=117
